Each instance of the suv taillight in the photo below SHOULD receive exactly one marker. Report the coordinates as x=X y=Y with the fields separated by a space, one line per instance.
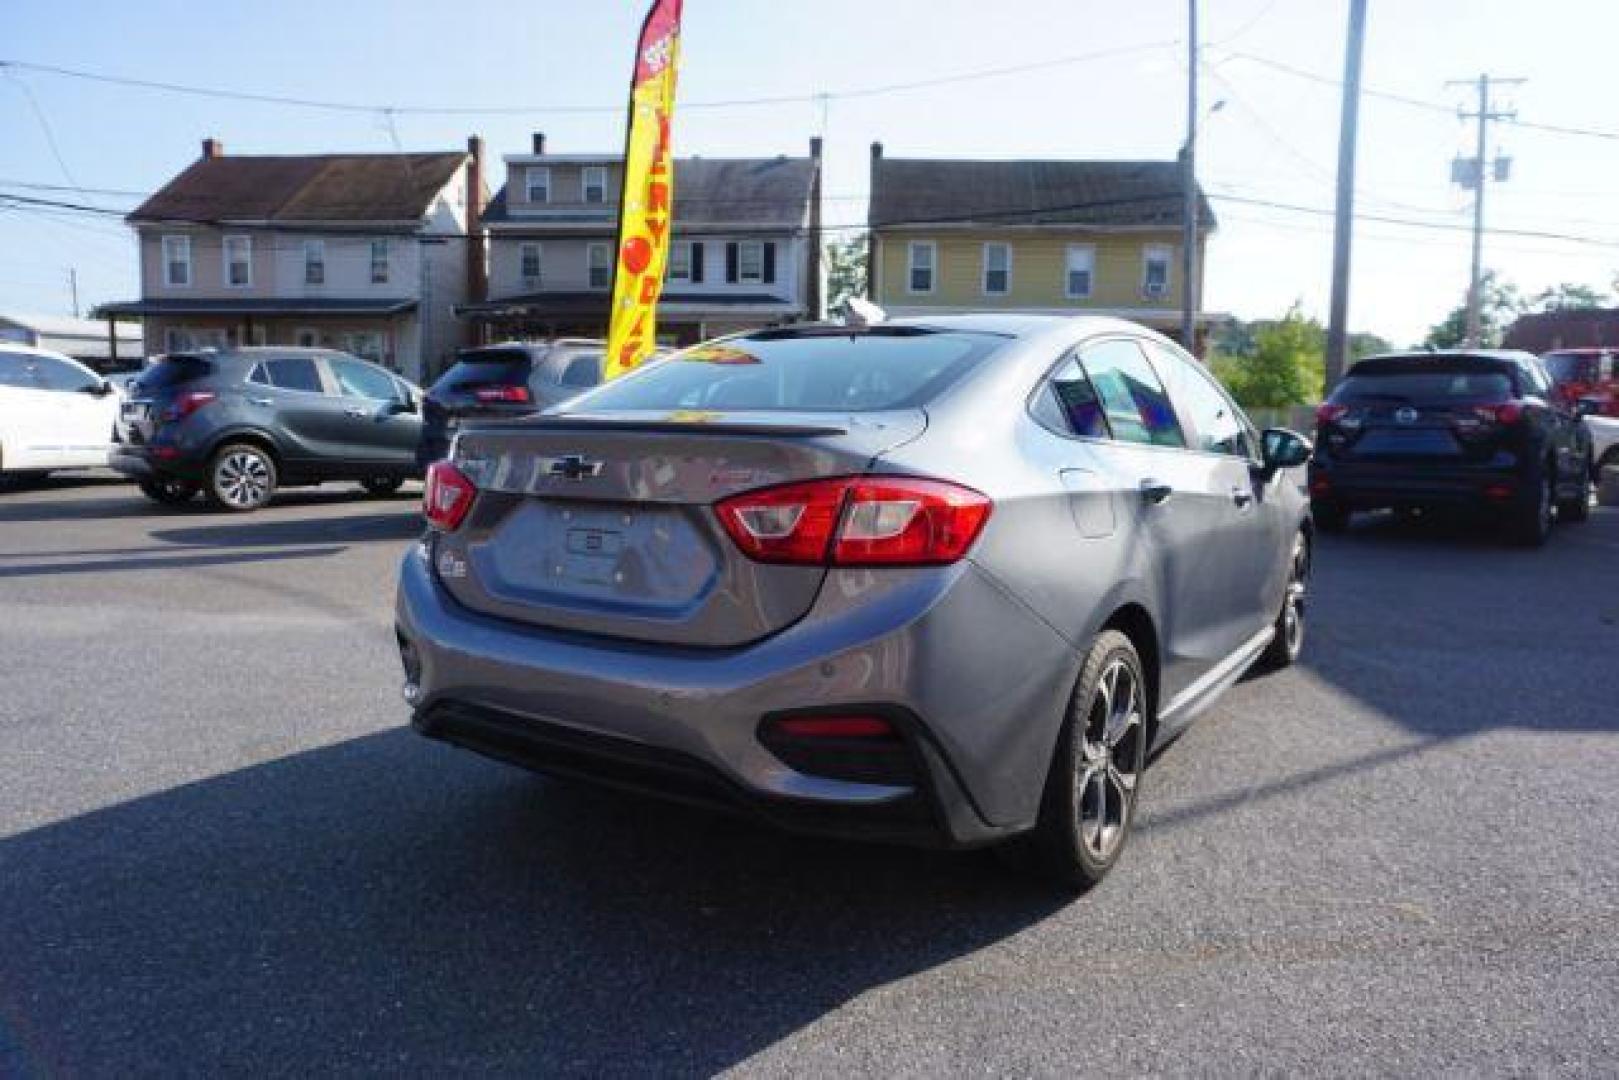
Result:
x=856 y=521
x=186 y=404
x=515 y=394
x=447 y=497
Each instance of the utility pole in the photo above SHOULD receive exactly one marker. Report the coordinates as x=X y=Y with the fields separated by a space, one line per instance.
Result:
x=1343 y=226
x=1189 y=186
x=1472 y=174
x=73 y=284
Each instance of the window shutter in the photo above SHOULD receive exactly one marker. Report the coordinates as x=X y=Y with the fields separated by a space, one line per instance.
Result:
x=730 y=263
x=696 y=263
x=770 y=263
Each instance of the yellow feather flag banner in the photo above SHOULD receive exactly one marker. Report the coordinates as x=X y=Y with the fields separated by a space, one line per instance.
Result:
x=646 y=209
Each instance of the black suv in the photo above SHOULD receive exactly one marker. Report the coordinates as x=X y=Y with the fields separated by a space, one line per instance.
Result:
x=501 y=381
x=238 y=424
x=1475 y=428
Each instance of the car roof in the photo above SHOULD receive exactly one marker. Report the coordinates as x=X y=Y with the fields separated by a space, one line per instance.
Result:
x=1439 y=356
x=1018 y=325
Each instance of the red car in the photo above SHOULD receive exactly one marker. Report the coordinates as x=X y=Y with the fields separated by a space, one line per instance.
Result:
x=1585 y=373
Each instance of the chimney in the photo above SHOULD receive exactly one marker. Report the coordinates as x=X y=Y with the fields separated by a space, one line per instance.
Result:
x=815 y=290
x=211 y=149
x=539 y=142
x=876 y=151
x=477 y=258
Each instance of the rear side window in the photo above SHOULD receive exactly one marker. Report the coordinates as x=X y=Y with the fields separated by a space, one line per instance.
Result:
x=1138 y=410
x=293 y=373
x=1434 y=386
x=487 y=367
x=1068 y=403
x=809 y=372
x=14 y=371
x=582 y=371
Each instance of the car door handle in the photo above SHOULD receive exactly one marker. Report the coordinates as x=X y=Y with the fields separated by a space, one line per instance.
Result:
x=260 y=401
x=1242 y=496
x=352 y=411
x=1156 y=492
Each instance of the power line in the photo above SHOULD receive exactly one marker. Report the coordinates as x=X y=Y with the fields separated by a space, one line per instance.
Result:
x=575 y=109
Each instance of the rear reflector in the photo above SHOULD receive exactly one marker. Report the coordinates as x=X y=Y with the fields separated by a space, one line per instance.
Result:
x=447 y=497
x=1500 y=491
x=516 y=394
x=1320 y=485
x=856 y=521
x=834 y=727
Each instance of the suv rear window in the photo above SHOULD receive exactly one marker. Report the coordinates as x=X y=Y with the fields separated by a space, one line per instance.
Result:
x=174 y=370
x=487 y=367
x=1438 y=386
x=796 y=371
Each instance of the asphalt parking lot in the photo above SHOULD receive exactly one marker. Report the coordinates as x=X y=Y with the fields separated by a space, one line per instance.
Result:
x=222 y=851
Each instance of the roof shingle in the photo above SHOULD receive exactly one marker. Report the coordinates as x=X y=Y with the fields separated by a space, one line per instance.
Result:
x=314 y=187
x=760 y=192
x=1100 y=193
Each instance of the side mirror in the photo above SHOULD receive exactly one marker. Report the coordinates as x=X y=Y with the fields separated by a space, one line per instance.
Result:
x=1284 y=449
x=405 y=404
x=100 y=388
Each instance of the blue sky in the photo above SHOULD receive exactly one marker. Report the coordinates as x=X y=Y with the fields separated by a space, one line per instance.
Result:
x=1273 y=141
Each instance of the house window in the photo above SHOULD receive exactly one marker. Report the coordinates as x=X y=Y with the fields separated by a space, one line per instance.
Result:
x=750 y=263
x=997 y=269
x=379 y=262
x=597 y=269
x=177 y=260
x=595 y=184
x=366 y=344
x=239 y=261
x=538 y=183
x=680 y=261
x=528 y=257
x=1079 y=271
x=1155 y=269
x=923 y=257
x=314 y=262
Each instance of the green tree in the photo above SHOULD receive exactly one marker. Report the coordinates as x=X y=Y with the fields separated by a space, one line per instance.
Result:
x=1568 y=296
x=1286 y=365
x=845 y=270
x=1502 y=303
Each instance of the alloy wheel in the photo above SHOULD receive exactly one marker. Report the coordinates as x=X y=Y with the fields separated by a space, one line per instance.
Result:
x=1110 y=759
x=242 y=479
x=1298 y=579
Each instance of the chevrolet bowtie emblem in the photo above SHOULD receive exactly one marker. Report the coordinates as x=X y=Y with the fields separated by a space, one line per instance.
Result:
x=572 y=467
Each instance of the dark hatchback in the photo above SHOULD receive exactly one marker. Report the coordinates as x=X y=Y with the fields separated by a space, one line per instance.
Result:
x=499 y=382
x=237 y=425
x=1480 y=429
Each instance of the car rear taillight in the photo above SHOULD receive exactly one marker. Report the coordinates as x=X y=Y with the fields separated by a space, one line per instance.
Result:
x=1328 y=412
x=856 y=521
x=447 y=497
x=186 y=404
x=1503 y=414
x=512 y=394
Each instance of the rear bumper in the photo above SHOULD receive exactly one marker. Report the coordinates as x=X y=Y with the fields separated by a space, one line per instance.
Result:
x=1414 y=484
x=983 y=706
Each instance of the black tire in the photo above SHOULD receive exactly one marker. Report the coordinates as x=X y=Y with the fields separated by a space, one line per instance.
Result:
x=1329 y=517
x=169 y=492
x=241 y=478
x=380 y=487
x=1531 y=523
x=1285 y=647
x=1577 y=509
x=1095 y=774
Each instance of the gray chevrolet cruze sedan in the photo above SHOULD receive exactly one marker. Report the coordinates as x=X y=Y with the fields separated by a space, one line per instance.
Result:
x=937 y=581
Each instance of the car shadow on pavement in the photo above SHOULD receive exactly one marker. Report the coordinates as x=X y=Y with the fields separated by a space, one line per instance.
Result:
x=403 y=523
x=389 y=905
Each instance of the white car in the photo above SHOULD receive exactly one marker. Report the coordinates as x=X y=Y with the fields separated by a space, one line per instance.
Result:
x=55 y=413
x=1604 y=441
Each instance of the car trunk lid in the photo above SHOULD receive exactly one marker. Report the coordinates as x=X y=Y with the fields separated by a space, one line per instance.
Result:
x=603 y=524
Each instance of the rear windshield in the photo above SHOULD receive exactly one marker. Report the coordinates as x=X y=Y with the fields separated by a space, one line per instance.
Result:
x=487 y=367
x=796 y=372
x=1427 y=385
x=1571 y=367
x=173 y=370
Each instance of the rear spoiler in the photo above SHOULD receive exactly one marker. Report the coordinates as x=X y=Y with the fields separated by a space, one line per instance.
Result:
x=677 y=422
